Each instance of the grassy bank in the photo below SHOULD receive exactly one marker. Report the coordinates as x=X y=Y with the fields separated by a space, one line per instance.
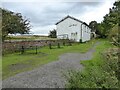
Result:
x=97 y=72
x=15 y=63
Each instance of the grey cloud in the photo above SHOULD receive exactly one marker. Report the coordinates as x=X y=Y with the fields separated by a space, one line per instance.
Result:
x=49 y=14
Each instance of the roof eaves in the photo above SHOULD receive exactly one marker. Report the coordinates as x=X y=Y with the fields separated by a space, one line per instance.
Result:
x=73 y=19
x=62 y=19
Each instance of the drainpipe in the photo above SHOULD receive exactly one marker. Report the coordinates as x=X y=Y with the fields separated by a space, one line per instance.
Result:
x=81 y=31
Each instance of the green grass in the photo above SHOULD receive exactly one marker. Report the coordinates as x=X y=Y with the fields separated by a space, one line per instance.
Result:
x=104 y=45
x=31 y=61
x=93 y=75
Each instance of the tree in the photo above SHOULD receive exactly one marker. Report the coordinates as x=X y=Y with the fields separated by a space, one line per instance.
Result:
x=93 y=25
x=110 y=20
x=52 y=34
x=13 y=23
x=100 y=30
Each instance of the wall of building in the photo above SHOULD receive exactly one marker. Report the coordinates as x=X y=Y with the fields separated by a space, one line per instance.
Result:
x=86 y=33
x=72 y=29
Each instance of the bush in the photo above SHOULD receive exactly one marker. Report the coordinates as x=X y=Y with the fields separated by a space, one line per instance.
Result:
x=80 y=41
x=111 y=61
x=114 y=36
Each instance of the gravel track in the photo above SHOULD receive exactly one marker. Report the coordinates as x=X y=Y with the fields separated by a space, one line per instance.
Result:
x=49 y=75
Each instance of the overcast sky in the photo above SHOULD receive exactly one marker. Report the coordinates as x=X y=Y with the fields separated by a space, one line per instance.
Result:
x=43 y=14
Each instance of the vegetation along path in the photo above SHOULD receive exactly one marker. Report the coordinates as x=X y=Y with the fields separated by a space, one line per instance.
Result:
x=50 y=75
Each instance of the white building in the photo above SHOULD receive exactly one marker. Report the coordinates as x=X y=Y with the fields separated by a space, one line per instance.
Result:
x=73 y=29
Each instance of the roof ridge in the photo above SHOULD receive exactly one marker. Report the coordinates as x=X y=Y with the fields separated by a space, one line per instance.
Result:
x=68 y=16
x=75 y=18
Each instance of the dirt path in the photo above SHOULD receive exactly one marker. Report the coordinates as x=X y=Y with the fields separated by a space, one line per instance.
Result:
x=51 y=74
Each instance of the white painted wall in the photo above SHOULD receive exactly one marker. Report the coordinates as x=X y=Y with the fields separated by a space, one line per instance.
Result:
x=72 y=28
x=85 y=33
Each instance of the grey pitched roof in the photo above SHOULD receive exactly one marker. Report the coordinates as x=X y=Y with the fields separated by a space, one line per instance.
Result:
x=73 y=19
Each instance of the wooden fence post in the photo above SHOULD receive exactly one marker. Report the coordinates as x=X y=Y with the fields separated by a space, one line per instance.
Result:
x=22 y=50
x=36 y=49
x=50 y=46
x=70 y=43
x=58 y=45
x=63 y=43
